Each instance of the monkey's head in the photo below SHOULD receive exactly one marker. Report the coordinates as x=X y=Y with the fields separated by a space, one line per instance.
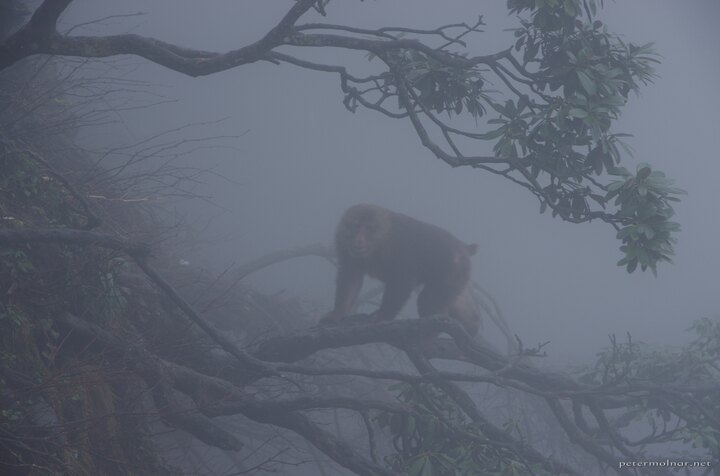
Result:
x=362 y=230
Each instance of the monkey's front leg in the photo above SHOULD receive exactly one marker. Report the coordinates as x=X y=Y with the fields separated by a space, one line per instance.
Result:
x=397 y=292
x=348 y=285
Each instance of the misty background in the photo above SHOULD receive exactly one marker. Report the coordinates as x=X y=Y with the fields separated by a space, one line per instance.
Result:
x=302 y=158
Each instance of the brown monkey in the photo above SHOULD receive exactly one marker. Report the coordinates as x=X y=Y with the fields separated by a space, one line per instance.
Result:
x=404 y=254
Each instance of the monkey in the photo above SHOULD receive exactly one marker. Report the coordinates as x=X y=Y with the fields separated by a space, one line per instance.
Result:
x=403 y=253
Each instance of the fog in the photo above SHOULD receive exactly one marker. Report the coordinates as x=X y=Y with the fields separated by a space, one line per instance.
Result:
x=302 y=158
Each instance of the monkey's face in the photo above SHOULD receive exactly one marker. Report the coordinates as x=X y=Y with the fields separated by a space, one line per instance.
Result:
x=361 y=234
x=363 y=240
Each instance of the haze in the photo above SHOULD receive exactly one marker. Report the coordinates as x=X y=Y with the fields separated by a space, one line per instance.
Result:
x=302 y=159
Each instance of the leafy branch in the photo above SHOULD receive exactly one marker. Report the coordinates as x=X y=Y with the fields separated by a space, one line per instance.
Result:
x=546 y=104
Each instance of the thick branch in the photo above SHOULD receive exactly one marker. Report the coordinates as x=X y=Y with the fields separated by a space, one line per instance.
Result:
x=298 y=345
x=176 y=413
x=279 y=413
x=39 y=36
x=46 y=16
x=153 y=371
x=197 y=62
x=225 y=343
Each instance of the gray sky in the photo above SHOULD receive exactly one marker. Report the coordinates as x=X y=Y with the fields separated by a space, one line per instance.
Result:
x=305 y=159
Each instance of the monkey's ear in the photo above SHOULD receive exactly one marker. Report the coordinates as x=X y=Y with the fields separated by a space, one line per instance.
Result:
x=472 y=249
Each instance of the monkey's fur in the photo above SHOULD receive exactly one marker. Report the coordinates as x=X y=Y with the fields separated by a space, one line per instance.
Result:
x=403 y=253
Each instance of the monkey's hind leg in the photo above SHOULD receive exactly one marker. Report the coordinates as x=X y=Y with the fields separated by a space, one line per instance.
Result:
x=453 y=300
x=436 y=299
x=466 y=311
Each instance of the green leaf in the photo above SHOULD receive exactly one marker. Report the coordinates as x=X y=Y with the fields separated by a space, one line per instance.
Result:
x=531 y=51
x=644 y=173
x=615 y=186
x=615 y=100
x=499 y=108
x=619 y=171
x=625 y=232
x=598 y=198
x=631 y=266
x=417 y=466
x=587 y=83
x=595 y=159
x=578 y=206
x=647 y=231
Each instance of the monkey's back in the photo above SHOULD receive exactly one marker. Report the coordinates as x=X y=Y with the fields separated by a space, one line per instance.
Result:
x=433 y=252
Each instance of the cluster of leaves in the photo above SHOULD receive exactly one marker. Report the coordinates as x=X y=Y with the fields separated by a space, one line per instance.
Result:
x=105 y=299
x=15 y=262
x=643 y=198
x=437 y=439
x=21 y=180
x=671 y=415
x=442 y=88
x=593 y=72
x=569 y=86
x=698 y=362
x=26 y=185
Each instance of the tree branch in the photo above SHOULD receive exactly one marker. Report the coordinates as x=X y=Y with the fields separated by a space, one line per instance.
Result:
x=283 y=414
x=139 y=252
x=39 y=36
x=46 y=15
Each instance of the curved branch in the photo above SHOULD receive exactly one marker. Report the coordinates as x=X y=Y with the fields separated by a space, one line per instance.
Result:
x=39 y=36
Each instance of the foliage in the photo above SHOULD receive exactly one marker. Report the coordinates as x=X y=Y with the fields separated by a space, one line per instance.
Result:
x=665 y=412
x=644 y=198
x=563 y=83
x=546 y=103
x=437 y=439
x=27 y=186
